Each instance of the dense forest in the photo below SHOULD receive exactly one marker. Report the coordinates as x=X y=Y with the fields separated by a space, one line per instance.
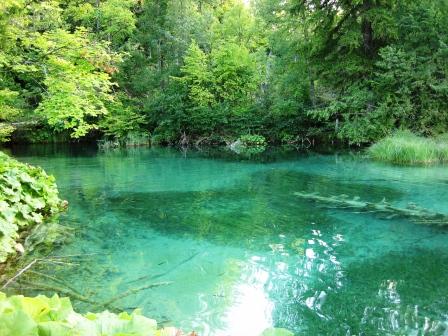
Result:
x=242 y=241
x=210 y=71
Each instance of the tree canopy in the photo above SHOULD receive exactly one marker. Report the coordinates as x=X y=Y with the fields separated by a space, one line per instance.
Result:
x=347 y=70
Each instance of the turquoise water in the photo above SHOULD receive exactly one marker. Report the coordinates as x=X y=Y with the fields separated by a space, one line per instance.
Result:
x=240 y=252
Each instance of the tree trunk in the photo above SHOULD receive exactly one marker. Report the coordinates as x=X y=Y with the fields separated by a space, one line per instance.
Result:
x=97 y=4
x=367 y=29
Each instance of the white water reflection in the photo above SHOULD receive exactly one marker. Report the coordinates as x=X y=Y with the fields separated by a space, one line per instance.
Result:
x=251 y=312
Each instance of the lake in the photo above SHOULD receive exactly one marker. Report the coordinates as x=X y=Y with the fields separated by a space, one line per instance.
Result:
x=234 y=251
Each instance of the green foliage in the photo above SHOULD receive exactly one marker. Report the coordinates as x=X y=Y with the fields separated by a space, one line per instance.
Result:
x=353 y=71
x=405 y=147
x=357 y=70
x=77 y=88
x=10 y=101
x=234 y=72
x=121 y=120
x=5 y=132
x=253 y=140
x=237 y=24
x=9 y=110
x=53 y=68
x=198 y=77
x=27 y=197
x=9 y=104
x=196 y=73
x=43 y=316
x=249 y=144
x=110 y=20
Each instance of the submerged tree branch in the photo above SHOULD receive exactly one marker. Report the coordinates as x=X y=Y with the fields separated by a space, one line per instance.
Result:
x=59 y=290
x=412 y=212
x=133 y=291
x=23 y=270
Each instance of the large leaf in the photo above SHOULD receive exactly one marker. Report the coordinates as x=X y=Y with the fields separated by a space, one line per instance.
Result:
x=28 y=196
x=43 y=316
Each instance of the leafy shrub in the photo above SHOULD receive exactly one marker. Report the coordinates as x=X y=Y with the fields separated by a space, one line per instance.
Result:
x=27 y=196
x=253 y=140
x=405 y=147
x=9 y=110
x=288 y=138
x=121 y=120
x=5 y=132
x=164 y=134
x=249 y=144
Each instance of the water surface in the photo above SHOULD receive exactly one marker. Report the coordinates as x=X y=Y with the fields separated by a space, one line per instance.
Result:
x=241 y=252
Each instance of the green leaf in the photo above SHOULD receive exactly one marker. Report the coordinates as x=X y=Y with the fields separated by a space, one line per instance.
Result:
x=277 y=332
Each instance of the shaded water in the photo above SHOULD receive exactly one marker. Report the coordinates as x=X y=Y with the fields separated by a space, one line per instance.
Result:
x=243 y=253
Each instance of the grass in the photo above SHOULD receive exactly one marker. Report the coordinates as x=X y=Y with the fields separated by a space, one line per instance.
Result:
x=404 y=147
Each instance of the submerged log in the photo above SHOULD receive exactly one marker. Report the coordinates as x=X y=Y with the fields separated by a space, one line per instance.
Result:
x=156 y=276
x=412 y=212
x=132 y=291
x=60 y=290
x=56 y=280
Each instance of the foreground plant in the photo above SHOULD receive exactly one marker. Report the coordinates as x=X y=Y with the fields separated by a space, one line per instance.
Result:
x=28 y=196
x=43 y=316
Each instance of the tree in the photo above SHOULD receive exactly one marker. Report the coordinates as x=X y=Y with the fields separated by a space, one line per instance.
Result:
x=234 y=72
x=10 y=101
x=110 y=20
x=75 y=78
x=197 y=76
x=52 y=71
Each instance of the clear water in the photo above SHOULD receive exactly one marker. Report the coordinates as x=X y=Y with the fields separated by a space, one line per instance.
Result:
x=242 y=252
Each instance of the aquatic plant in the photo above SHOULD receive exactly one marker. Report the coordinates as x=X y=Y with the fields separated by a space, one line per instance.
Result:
x=28 y=196
x=404 y=147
